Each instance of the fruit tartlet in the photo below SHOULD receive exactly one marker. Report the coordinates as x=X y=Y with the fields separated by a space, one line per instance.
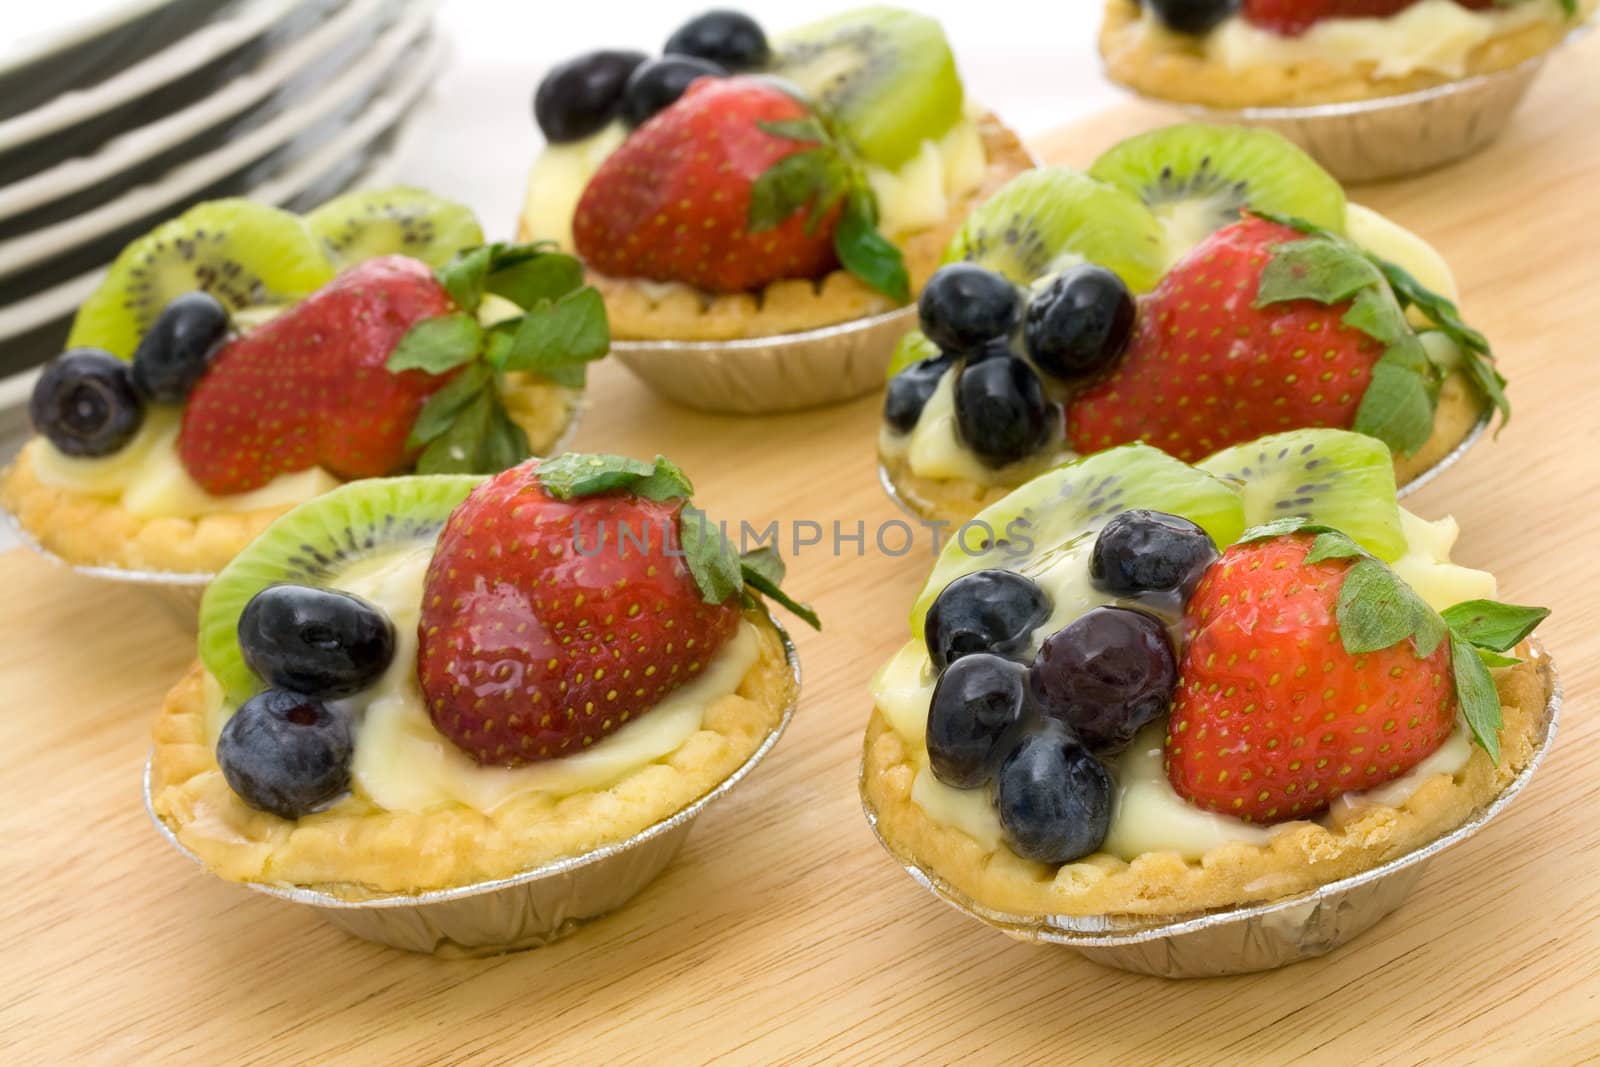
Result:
x=1199 y=287
x=739 y=188
x=430 y=682
x=1167 y=689
x=1293 y=53
x=239 y=360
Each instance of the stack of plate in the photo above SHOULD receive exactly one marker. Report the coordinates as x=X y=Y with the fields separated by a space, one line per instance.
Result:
x=130 y=115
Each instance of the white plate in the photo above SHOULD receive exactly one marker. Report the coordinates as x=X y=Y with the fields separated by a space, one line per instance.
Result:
x=37 y=30
x=173 y=130
x=358 y=140
x=40 y=245
x=193 y=52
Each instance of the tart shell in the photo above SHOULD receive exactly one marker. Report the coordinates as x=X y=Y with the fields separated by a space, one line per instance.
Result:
x=1455 y=420
x=96 y=531
x=354 y=850
x=1302 y=857
x=641 y=310
x=1171 y=66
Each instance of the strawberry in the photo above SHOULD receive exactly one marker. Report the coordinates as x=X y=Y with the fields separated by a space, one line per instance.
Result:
x=1273 y=718
x=1208 y=367
x=545 y=627
x=674 y=202
x=1293 y=17
x=309 y=388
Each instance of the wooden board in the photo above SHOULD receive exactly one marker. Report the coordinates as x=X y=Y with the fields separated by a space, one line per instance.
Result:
x=782 y=931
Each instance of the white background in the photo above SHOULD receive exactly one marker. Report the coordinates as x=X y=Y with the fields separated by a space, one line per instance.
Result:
x=1032 y=62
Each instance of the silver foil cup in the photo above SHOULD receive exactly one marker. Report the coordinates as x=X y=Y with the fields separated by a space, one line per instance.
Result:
x=1393 y=136
x=1240 y=940
x=1449 y=459
x=526 y=910
x=760 y=375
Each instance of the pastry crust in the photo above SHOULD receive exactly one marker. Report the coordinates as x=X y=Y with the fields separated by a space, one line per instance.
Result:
x=95 y=531
x=1301 y=857
x=955 y=500
x=356 y=850
x=654 y=311
x=1172 y=66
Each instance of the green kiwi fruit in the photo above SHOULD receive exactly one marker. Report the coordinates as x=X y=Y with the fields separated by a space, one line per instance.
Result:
x=913 y=347
x=381 y=222
x=244 y=254
x=1061 y=508
x=1197 y=178
x=1333 y=477
x=886 y=78
x=311 y=544
x=1046 y=220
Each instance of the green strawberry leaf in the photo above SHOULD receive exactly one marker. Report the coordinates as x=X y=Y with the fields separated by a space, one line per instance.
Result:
x=709 y=555
x=442 y=407
x=460 y=448
x=1477 y=696
x=1332 y=544
x=555 y=338
x=463 y=277
x=815 y=178
x=1488 y=624
x=809 y=130
x=438 y=344
x=526 y=282
x=1399 y=403
x=868 y=254
x=576 y=474
x=1495 y=659
x=765 y=562
x=1326 y=270
x=1376 y=610
x=763 y=584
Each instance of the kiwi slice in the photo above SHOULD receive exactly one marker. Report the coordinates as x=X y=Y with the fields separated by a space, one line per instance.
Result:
x=243 y=253
x=1334 y=477
x=1197 y=178
x=404 y=220
x=1061 y=506
x=886 y=78
x=311 y=544
x=1052 y=218
x=913 y=347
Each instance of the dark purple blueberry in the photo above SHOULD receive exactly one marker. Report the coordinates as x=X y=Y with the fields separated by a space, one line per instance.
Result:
x=286 y=753
x=1105 y=675
x=978 y=705
x=908 y=392
x=1079 y=323
x=1143 y=551
x=1053 y=797
x=963 y=305
x=577 y=98
x=1001 y=411
x=1193 y=16
x=658 y=84
x=85 y=404
x=731 y=39
x=318 y=641
x=178 y=348
x=985 y=611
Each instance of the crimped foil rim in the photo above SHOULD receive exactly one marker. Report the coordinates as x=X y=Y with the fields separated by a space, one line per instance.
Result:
x=1438 y=467
x=1115 y=931
x=776 y=341
x=1347 y=108
x=316 y=898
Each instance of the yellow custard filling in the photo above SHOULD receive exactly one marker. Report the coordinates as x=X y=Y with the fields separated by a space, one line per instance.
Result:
x=1438 y=36
x=933 y=448
x=1148 y=815
x=403 y=764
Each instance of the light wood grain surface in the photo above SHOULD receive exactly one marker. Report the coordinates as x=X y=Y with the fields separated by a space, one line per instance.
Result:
x=782 y=932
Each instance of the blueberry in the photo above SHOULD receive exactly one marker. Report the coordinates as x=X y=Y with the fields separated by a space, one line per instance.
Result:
x=1053 y=797
x=318 y=641
x=978 y=706
x=985 y=611
x=656 y=85
x=85 y=403
x=1193 y=16
x=963 y=305
x=577 y=98
x=908 y=392
x=1150 y=552
x=1105 y=675
x=731 y=39
x=1001 y=411
x=1079 y=323
x=176 y=351
x=286 y=753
